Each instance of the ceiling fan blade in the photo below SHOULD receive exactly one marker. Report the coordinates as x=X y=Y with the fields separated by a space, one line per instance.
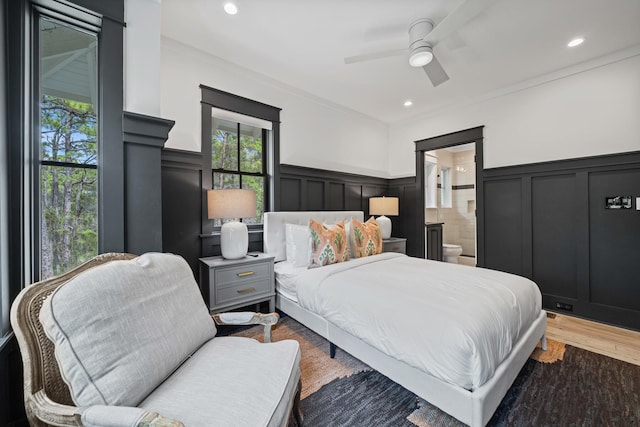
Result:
x=460 y=16
x=374 y=55
x=435 y=72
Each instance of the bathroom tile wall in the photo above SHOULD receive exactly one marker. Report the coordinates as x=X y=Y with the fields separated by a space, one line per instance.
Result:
x=459 y=221
x=464 y=203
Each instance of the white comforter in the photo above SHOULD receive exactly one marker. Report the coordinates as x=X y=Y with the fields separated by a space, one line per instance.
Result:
x=455 y=322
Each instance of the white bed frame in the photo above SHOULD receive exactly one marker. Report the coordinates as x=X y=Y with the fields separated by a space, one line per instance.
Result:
x=471 y=407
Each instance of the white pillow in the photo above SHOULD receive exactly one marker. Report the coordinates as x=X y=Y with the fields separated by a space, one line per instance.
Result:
x=297 y=244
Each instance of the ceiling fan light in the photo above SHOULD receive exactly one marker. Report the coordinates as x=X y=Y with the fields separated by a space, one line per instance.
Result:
x=230 y=8
x=575 y=42
x=420 y=57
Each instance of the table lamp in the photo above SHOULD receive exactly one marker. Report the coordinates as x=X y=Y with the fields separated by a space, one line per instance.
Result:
x=232 y=204
x=384 y=206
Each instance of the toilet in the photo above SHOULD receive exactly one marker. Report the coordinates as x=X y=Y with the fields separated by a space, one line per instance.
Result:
x=451 y=252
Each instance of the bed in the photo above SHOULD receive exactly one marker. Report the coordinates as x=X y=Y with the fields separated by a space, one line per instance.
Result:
x=454 y=335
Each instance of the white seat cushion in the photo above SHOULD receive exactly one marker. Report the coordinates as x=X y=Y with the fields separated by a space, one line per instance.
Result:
x=122 y=327
x=231 y=381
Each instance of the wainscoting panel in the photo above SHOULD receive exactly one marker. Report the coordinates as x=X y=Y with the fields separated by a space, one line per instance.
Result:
x=548 y=222
x=336 y=196
x=408 y=224
x=555 y=234
x=615 y=236
x=503 y=225
x=309 y=189
x=353 y=201
x=182 y=207
x=315 y=195
x=291 y=191
x=11 y=386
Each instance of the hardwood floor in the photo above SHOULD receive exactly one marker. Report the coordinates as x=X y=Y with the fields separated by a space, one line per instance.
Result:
x=618 y=343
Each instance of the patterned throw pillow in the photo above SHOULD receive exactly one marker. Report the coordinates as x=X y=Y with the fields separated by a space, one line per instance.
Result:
x=366 y=238
x=328 y=244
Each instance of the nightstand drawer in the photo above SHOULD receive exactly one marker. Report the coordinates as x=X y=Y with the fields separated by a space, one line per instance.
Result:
x=394 y=244
x=226 y=294
x=227 y=284
x=242 y=274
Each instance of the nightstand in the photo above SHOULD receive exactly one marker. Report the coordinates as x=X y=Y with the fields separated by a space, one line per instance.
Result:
x=394 y=244
x=232 y=283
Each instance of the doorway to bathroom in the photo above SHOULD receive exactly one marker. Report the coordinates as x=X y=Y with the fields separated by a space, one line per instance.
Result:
x=450 y=200
x=449 y=171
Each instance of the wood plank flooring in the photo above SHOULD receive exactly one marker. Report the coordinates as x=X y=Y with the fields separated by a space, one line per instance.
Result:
x=618 y=343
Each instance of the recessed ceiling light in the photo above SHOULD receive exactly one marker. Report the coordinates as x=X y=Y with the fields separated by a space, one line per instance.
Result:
x=230 y=8
x=575 y=42
x=408 y=103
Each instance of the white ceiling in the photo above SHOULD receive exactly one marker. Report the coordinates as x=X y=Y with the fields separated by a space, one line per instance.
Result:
x=302 y=43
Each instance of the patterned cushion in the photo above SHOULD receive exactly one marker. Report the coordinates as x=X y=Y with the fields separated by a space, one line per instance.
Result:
x=366 y=238
x=328 y=244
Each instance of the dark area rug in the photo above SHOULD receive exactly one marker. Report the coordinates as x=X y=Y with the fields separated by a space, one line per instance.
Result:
x=584 y=389
x=364 y=399
x=580 y=389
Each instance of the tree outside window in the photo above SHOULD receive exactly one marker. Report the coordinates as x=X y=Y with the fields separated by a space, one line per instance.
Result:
x=68 y=220
x=237 y=161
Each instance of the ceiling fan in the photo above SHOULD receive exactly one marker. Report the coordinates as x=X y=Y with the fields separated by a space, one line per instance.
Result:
x=423 y=37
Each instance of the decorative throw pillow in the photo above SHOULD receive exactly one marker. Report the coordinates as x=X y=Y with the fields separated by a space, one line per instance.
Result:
x=366 y=238
x=328 y=244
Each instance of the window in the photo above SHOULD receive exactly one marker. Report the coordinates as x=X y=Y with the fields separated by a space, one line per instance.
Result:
x=237 y=161
x=65 y=186
x=67 y=146
x=240 y=140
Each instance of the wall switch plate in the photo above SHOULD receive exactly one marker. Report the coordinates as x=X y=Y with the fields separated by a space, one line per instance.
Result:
x=618 y=202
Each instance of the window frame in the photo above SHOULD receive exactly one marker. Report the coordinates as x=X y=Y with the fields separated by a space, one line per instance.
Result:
x=265 y=137
x=92 y=27
x=215 y=98
x=86 y=15
x=23 y=125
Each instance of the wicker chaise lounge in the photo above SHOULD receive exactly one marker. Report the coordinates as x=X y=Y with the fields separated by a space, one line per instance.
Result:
x=128 y=341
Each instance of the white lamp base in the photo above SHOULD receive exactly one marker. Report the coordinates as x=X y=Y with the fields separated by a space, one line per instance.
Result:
x=385 y=226
x=234 y=240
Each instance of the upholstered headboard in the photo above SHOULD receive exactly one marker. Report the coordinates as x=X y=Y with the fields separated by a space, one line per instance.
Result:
x=274 y=226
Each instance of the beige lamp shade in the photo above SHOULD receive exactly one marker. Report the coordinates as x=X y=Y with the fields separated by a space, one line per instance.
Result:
x=383 y=206
x=231 y=203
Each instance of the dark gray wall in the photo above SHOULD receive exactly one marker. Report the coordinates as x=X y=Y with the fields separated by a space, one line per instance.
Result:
x=302 y=189
x=310 y=189
x=182 y=204
x=405 y=224
x=548 y=222
x=144 y=137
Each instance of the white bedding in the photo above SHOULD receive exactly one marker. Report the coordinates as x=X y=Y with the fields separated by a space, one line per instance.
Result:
x=286 y=279
x=454 y=322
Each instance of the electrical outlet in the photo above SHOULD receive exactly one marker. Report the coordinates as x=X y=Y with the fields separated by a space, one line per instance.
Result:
x=564 y=306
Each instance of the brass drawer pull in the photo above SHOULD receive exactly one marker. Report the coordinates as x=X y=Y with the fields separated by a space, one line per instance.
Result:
x=245 y=291
x=246 y=273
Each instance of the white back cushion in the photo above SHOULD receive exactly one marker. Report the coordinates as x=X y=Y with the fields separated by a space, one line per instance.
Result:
x=121 y=328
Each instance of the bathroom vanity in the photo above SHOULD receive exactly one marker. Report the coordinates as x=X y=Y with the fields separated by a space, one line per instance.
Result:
x=433 y=234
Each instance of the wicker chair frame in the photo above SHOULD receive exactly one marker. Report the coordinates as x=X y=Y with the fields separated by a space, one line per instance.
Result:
x=47 y=398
